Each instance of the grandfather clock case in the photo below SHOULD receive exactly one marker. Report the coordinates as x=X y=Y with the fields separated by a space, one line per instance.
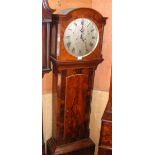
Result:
x=73 y=78
x=46 y=24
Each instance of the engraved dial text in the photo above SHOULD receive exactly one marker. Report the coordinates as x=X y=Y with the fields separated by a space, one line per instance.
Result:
x=81 y=37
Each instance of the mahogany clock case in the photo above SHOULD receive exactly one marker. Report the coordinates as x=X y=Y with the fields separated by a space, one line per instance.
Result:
x=46 y=23
x=72 y=86
x=61 y=20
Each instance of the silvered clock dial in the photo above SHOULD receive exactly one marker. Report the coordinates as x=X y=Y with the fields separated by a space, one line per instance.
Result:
x=81 y=37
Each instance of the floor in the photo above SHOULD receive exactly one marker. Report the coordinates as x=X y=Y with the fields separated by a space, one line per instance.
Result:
x=98 y=105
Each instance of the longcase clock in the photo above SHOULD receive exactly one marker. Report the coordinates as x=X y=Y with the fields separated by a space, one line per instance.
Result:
x=46 y=22
x=77 y=37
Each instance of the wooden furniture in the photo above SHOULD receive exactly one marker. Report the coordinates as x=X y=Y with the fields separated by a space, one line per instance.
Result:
x=46 y=38
x=46 y=21
x=43 y=145
x=61 y=4
x=105 y=143
x=74 y=68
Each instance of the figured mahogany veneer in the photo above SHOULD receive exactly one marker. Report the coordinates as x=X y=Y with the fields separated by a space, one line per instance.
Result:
x=82 y=147
x=73 y=90
x=74 y=119
x=72 y=87
x=105 y=143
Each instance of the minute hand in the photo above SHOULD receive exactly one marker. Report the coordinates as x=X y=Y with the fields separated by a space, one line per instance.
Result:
x=86 y=46
x=81 y=37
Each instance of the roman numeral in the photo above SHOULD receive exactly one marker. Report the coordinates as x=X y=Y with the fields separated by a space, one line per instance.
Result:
x=73 y=50
x=70 y=29
x=75 y=23
x=80 y=52
x=92 y=30
x=93 y=37
x=67 y=36
x=68 y=44
x=91 y=44
x=87 y=50
x=82 y=22
x=88 y=24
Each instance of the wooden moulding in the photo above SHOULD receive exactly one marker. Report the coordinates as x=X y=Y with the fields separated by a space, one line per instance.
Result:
x=82 y=147
x=60 y=65
x=46 y=24
x=46 y=10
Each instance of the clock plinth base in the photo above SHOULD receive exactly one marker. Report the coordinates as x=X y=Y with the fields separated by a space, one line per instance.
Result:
x=81 y=147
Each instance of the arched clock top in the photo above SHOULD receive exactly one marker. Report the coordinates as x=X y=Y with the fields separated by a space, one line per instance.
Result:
x=78 y=34
x=75 y=12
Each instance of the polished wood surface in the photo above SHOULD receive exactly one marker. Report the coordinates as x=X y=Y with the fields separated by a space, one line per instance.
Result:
x=82 y=147
x=60 y=21
x=46 y=10
x=72 y=92
x=46 y=39
x=72 y=87
x=105 y=143
x=43 y=147
x=76 y=93
x=46 y=21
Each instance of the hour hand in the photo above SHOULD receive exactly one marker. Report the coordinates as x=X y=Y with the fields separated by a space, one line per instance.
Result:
x=82 y=30
x=81 y=37
x=86 y=48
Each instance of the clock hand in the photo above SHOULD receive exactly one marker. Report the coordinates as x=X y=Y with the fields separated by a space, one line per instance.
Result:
x=86 y=46
x=82 y=30
x=81 y=37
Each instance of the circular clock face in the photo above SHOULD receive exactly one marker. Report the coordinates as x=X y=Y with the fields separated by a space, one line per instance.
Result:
x=81 y=37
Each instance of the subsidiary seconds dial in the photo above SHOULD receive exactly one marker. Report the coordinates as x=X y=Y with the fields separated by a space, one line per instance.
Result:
x=81 y=37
